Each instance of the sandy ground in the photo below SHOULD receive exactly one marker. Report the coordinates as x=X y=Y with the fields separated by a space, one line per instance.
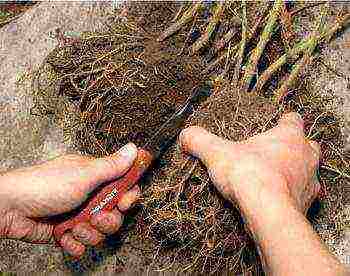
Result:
x=26 y=139
x=332 y=77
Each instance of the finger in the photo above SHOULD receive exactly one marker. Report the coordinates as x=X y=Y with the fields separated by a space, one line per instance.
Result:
x=129 y=198
x=315 y=186
x=316 y=148
x=202 y=144
x=315 y=189
x=292 y=119
x=18 y=227
x=72 y=246
x=313 y=155
x=42 y=233
x=86 y=234
x=113 y=166
x=107 y=222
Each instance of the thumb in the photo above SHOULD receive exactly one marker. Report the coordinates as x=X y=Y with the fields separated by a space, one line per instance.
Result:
x=202 y=144
x=111 y=167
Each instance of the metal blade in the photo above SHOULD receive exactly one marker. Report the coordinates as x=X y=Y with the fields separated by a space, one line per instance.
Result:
x=166 y=134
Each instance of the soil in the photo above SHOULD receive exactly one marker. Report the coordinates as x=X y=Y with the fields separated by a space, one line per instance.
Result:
x=10 y=10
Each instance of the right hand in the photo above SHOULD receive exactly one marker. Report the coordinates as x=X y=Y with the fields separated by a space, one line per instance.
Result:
x=278 y=166
x=29 y=194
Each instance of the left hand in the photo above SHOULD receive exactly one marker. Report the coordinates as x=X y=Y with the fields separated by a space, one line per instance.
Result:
x=275 y=167
x=60 y=186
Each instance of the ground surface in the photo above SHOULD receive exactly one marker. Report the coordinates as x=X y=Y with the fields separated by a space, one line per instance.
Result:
x=332 y=77
x=26 y=139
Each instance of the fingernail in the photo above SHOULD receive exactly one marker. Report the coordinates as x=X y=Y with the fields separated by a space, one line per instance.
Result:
x=129 y=151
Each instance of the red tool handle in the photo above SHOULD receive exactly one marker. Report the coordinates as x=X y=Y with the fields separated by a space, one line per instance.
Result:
x=109 y=196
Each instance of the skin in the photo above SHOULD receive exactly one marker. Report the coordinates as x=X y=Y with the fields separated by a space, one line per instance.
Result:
x=271 y=177
x=27 y=195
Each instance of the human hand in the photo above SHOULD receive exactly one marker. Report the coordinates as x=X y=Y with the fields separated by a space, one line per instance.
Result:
x=275 y=167
x=30 y=194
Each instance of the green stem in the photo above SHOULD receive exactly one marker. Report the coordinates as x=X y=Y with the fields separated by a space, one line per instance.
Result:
x=297 y=50
x=250 y=33
x=282 y=92
x=204 y=39
x=291 y=55
x=288 y=34
x=251 y=67
x=242 y=44
x=225 y=40
x=185 y=18
x=339 y=23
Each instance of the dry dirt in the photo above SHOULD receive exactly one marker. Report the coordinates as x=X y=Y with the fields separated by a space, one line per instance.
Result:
x=26 y=139
x=331 y=77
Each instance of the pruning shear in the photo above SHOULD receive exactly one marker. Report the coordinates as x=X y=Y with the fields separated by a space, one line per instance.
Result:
x=109 y=196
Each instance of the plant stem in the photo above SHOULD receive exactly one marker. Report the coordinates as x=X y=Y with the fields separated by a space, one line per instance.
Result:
x=339 y=23
x=336 y=170
x=288 y=34
x=242 y=44
x=222 y=43
x=282 y=92
x=252 y=63
x=297 y=50
x=185 y=18
x=250 y=34
x=209 y=31
x=291 y=55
